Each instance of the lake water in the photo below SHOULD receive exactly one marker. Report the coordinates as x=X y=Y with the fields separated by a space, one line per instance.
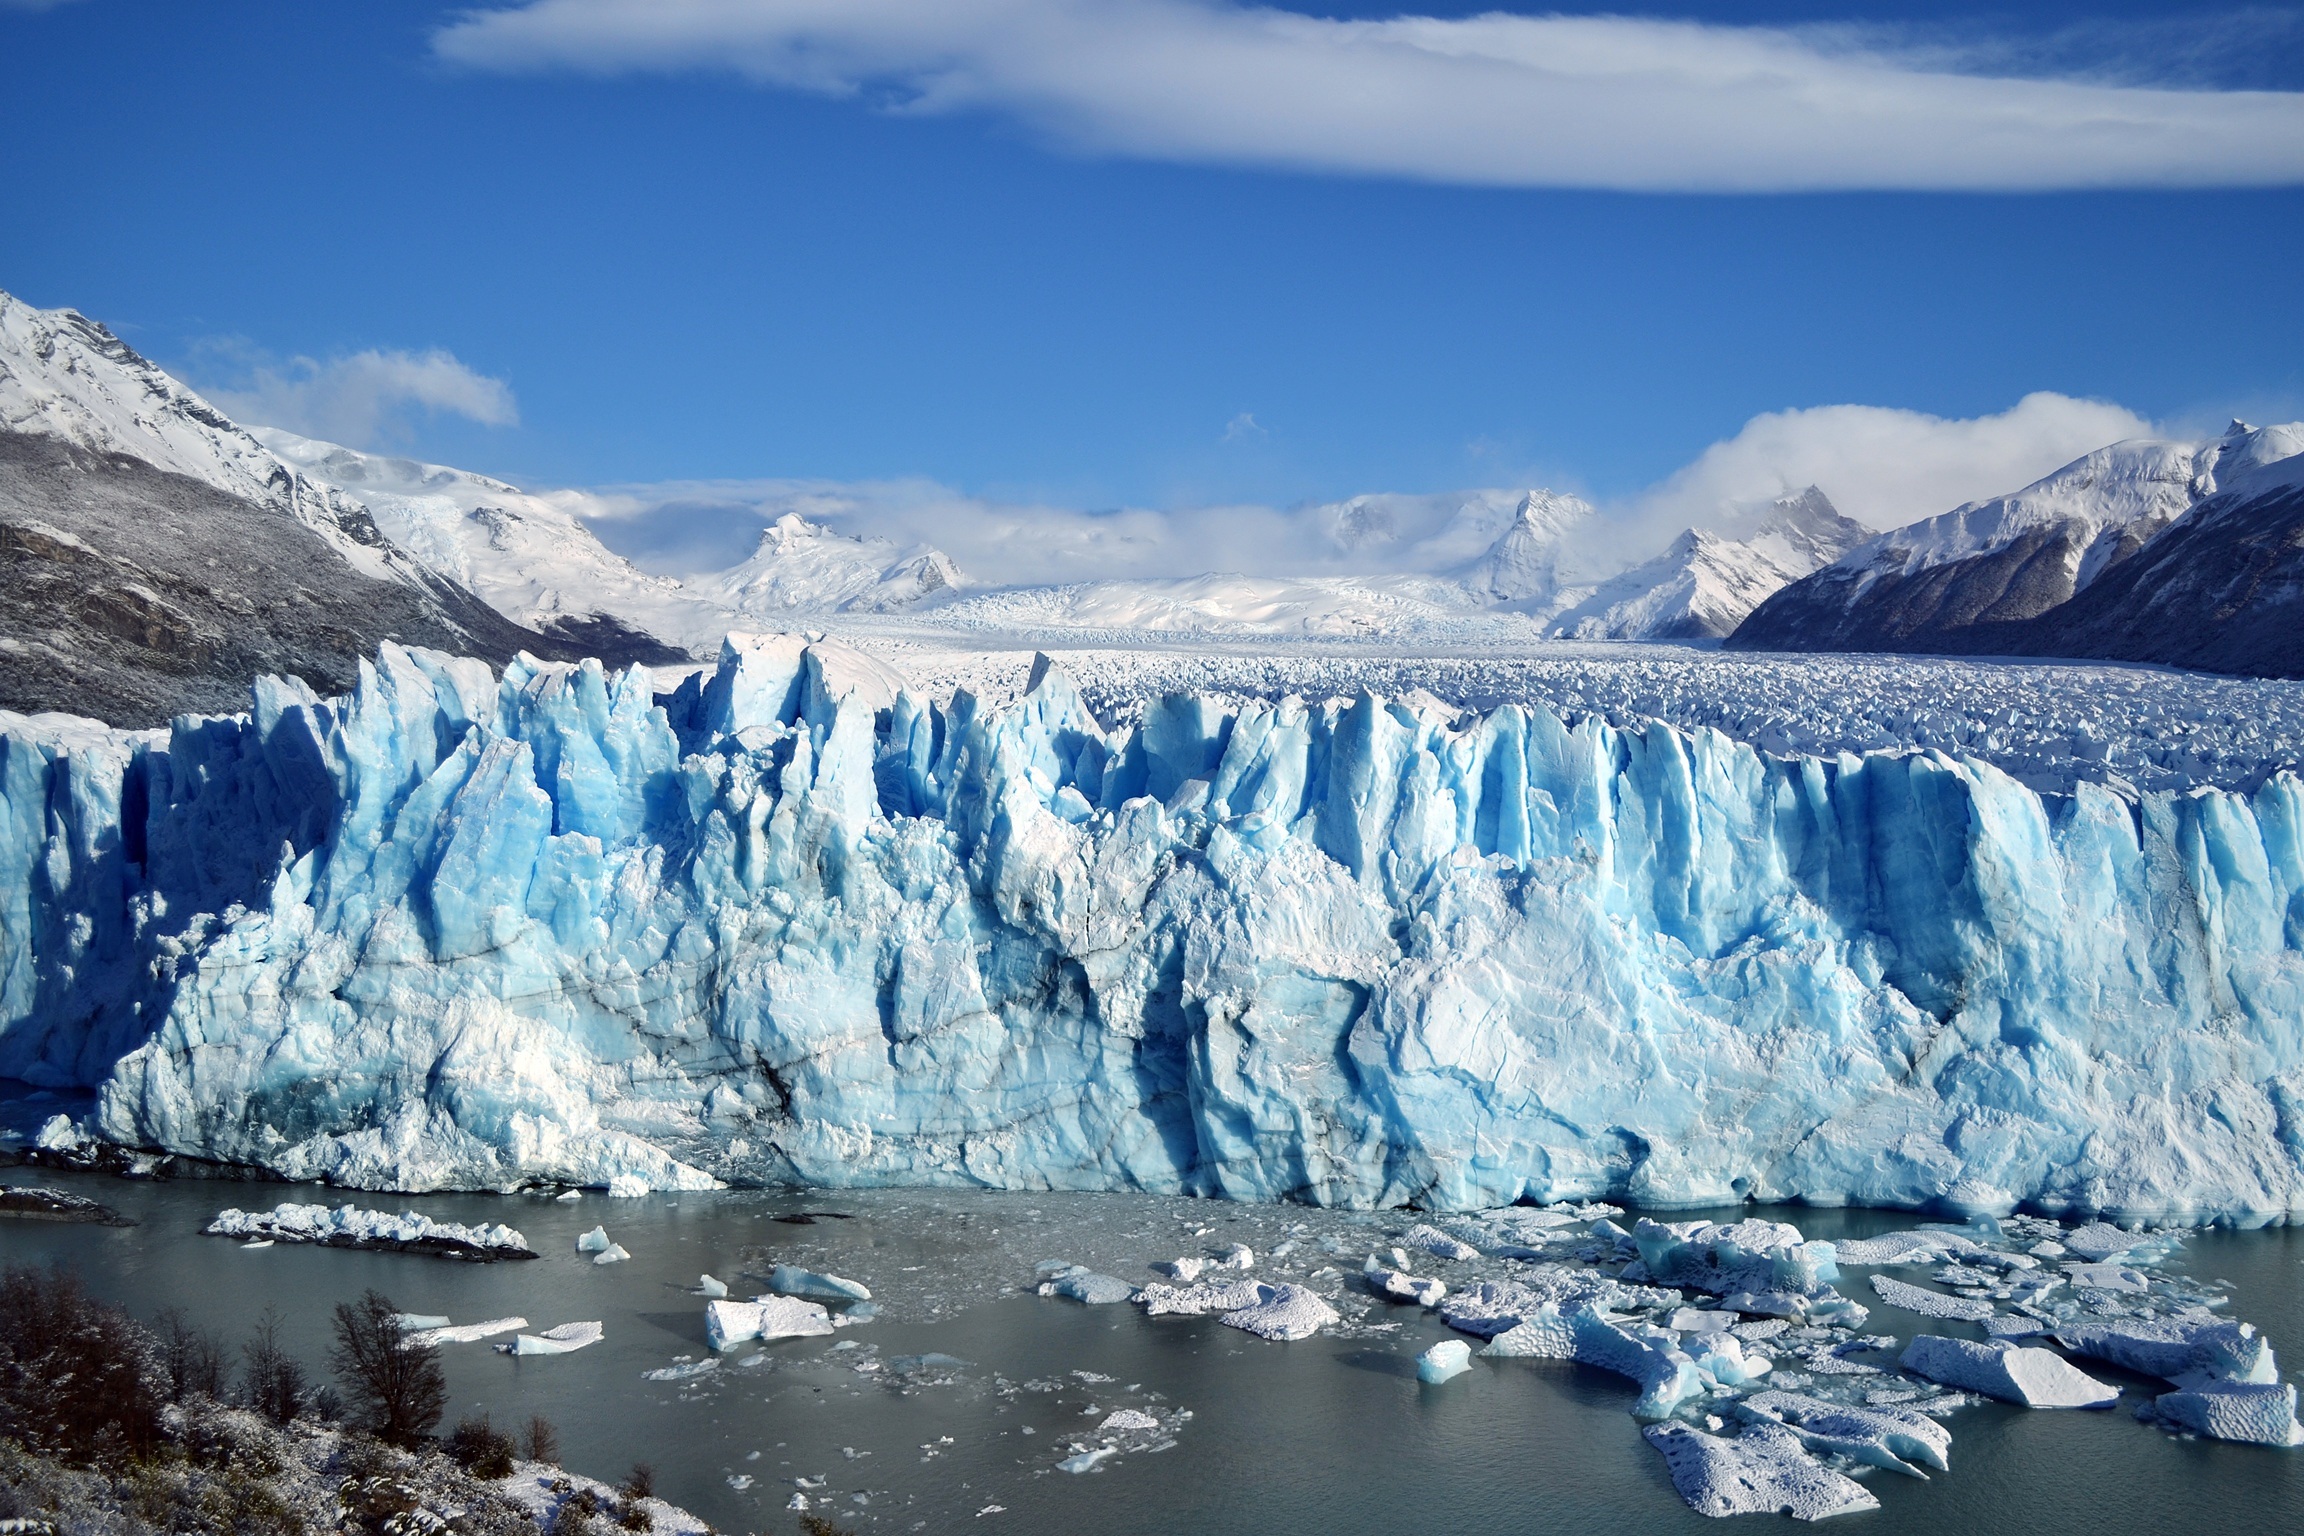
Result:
x=1329 y=1435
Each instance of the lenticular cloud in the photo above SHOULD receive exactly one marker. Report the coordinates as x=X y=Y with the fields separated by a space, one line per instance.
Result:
x=1497 y=100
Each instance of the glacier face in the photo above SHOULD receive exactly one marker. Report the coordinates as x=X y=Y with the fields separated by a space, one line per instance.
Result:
x=456 y=930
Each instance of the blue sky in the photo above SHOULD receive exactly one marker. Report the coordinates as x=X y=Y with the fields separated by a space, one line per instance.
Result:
x=686 y=273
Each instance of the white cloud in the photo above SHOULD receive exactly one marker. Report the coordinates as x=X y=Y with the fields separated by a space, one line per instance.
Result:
x=358 y=399
x=1244 y=428
x=1493 y=100
x=1882 y=466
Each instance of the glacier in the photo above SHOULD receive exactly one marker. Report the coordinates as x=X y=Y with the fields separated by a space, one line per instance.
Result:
x=792 y=923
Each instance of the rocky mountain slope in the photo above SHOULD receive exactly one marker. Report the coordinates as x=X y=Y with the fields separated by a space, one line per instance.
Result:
x=155 y=558
x=1987 y=577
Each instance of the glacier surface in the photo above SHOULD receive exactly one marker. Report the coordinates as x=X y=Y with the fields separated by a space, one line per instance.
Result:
x=462 y=930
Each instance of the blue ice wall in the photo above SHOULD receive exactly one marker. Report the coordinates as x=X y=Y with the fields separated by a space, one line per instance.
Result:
x=455 y=930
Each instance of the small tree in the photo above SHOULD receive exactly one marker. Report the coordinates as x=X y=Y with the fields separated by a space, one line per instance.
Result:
x=195 y=1359
x=78 y=1380
x=270 y=1378
x=397 y=1393
x=481 y=1448
x=543 y=1441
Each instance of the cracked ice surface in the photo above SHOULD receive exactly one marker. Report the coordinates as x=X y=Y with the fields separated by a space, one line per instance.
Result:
x=462 y=930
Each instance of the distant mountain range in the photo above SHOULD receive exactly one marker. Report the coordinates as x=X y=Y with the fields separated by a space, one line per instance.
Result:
x=2189 y=553
x=154 y=556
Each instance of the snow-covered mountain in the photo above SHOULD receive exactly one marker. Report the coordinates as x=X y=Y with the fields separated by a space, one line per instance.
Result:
x=805 y=568
x=1529 y=567
x=1219 y=604
x=2001 y=561
x=155 y=557
x=531 y=557
x=1705 y=583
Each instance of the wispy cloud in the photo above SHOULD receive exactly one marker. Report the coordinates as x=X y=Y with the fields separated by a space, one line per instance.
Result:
x=1883 y=466
x=1492 y=100
x=1244 y=428
x=358 y=399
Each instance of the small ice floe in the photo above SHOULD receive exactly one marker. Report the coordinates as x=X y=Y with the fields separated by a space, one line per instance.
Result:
x=1928 y=1303
x=792 y=1280
x=687 y=1370
x=740 y=1481
x=262 y=1242
x=1444 y=1361
x=710 y=1288
x=1087 y=1460
x=862 y=1312
x=992 y=1509
x=2107 y=1276
x=603 y=1248
x=2036 y=1378
x=1889 y=1437
x=2099 y=1240
x=1127 y=1419
x=730 y=1323
x=1286 y=1312
x=408 y=1322
x=1438 y=1243
x=1697 y=1320
x=1238 y=1256
x=349 y=1226
x=2252 y=1413
x=1183 y=1271
x=435 y=1334
x=565 y=1339
x=1763 y=1471
x=569 y=1194
x=1399 y=1285
x=1199 y=1299
x=1059 y=1277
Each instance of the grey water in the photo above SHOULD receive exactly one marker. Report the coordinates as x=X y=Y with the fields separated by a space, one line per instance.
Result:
x=1328 y=1435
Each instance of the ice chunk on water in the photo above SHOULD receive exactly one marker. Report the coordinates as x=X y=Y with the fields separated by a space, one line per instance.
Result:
x=2036 y=1378
x=729 y=1323
x=2108 y=1277
x=1285 y=1312
x=2254 y=1413
x=1399 y=1285
x=553 y=1341
x=686 y=1371
x=465 y=1333
x=710 y=1288
x=1762 y=1471
x=1128 y=1419
x=1086 y=1286
x=352 y=1226
x=2176 y=1347
x=792 y=1280
x=1889 y=1437
x=1184 y=1271
x=1913 y=1298
x=1201 y=1298
x=594 y=1241
x=2099 y=1241
x=1648 y=1355
x=1444 y=1361
x=409 y=1321
x=1439 y=1244
x=1543 y=1335
x=1237 y=1256
x=1086 y=1461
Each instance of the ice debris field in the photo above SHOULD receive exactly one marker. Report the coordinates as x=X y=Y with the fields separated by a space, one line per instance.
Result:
x=795 y=922
x=1756 y=1377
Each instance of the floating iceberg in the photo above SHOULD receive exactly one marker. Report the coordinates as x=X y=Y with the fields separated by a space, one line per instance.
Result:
x=1201 y=1297
x=1545 y=1335
x=461 y=929
x=1083 y=1284
x=2036 y=1378
x=1763 y=1471
x=1285 y=1312
x=1913 y=1298
x=730 y=1323
x=562 y=1340
x=706 y=1286
x=791 y=1280
x=443 y=1332
x=349 y=1226
x=2254 y=1413
x=1887 y=1436
x=1444 y=1361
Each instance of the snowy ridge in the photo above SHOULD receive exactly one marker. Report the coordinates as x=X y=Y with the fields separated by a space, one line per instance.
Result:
x=531 y=558
x=64 y=376
x=1705 y=583
x=803 y=567
x=462 y=930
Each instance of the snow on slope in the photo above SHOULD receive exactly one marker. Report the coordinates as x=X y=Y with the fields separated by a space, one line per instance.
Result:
x=802 y=568
x=1362 y=952
x=1529 y=568
x=530 y=557
x=1705 y=583
x=64 y=376
x=1218 y=604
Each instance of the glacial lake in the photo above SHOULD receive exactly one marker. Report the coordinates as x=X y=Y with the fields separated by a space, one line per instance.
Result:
x=1329 y=1435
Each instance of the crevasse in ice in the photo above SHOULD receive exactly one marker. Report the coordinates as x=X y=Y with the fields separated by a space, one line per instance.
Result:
x=455 y=930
